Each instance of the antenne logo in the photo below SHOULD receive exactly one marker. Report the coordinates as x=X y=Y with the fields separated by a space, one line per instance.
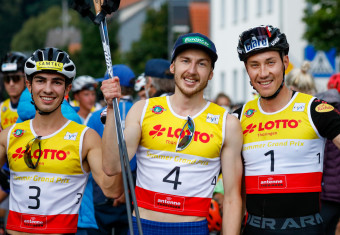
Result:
x=157 y=131
x=19 y=153
x=249 y=129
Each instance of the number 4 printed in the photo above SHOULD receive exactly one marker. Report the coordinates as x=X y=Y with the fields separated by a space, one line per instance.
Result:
x=175 y=182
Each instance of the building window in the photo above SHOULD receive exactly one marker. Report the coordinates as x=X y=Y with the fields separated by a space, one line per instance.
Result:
x=270 y=6
x=245 y=10
x=235 y=81
x=245 y=85
x=222 y=13
x=259 y=7
x=235 y=11
x=222 y=81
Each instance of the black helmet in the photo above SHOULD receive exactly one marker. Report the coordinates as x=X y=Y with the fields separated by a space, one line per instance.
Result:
x=262 y=38
x=50 y=59
x=13 y=62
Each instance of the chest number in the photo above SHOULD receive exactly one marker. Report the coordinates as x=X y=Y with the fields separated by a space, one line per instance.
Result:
x=271 y=153
x=176 y=182
x=36 y=197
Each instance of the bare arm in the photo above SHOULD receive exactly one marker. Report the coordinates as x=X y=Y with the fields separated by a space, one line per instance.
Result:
x=132 y=132
x=112 y=186
x=232 y=177
x=3 y=146
x=336 y=141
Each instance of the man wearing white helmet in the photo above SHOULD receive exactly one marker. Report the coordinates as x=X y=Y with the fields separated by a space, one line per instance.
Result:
x=84 y=92
x=49 y=156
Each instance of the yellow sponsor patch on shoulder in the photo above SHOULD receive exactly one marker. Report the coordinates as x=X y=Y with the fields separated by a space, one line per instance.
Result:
x=323 y=108
x=50 y=65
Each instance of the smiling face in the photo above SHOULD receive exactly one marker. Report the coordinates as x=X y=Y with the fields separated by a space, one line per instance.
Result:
x=192 y=70
x=266 y=70
x=48 y=90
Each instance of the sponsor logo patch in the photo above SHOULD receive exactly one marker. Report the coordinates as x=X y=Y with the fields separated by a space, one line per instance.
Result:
x=36 y=221
x=272 y=182
x=323 y=108
x=158 y=109
x=169 y=202
x=213 y=118
x=197 y=39
x=50 y=65
x=249 y=113
x=299 y=107
x=70 y=136
x=171 y=132
x=18 y=132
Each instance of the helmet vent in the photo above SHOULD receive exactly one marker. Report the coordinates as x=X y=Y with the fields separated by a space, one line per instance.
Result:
x=69 y=68
x=29 y=65
x=60 y=57
x=40 y=55
x=50 y=54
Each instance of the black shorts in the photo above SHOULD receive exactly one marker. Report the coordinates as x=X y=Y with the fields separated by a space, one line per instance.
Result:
x=311 y=225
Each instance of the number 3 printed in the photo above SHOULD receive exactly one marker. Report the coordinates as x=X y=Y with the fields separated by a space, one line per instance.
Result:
x=36 y=197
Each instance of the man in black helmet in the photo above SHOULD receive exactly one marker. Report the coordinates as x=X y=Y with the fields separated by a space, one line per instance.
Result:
x=12 y=71
x=284 y=135
x=49 y=156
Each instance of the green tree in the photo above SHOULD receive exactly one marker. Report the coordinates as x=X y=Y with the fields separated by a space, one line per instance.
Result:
x=10 y=20
x=34 y=31
x=153 y=42
x=322 y=20
x=14 y=13
x=90 y=59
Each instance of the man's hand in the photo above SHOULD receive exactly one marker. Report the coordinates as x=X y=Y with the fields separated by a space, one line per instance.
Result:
x=111 y=89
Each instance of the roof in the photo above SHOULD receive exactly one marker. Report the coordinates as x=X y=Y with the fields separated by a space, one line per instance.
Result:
x=200 y=17
x=127 y=3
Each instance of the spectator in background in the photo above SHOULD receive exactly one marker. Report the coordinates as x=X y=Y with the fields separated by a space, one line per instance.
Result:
x=330 y=195
x=157 y=81
x=113 y=217
x=141 y=88
x=299 y=79
x=84 y=93
x=223 y=100
x=12 y=71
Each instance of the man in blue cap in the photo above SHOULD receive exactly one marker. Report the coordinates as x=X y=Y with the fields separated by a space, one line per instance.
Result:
x=113 y=217
x=181 y=141
x=158 y=80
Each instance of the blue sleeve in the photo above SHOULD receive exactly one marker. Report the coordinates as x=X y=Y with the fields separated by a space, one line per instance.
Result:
x=95 y=123
x=25 y=108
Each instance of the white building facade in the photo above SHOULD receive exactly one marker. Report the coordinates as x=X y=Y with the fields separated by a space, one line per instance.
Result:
x=231 y=17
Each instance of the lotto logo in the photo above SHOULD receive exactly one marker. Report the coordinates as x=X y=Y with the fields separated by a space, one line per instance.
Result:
x=19 y=153
x=277 y=124
x=46 y=153
x=158 y=130
x=249 y=129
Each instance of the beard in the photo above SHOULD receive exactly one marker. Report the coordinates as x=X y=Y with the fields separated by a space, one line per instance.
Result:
x=190 y=92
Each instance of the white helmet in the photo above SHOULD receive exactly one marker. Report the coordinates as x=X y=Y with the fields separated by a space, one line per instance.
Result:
x=140 y=82
x=50 y=59
x=83 y=82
